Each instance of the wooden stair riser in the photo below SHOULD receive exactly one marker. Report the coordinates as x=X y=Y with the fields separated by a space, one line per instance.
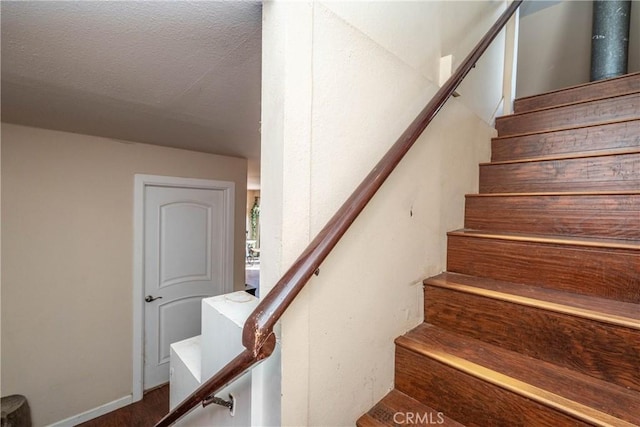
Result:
x=568 y=116
x=600 y=173
x=594 y=348
x=606 y=216
x=586 y=140
x=467 y=399
x=604 y=88
x=603 y=272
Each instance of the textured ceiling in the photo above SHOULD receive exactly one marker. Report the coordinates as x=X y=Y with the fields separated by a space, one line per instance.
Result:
x=177 y=73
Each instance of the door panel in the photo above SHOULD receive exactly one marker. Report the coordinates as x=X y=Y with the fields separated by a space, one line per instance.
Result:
x=184 y=249
x=185 y=228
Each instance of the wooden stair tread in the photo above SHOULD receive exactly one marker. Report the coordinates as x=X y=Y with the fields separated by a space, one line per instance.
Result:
x=584 y=173
x=601 y=137
x=567 y=116
x=582 y=85
x=568 y=156
x=614 y=215
x=590 y=341
x=551 y=239
x=591 y=266
x=585 y=91
x=558 y=193
x=632 y=91
x=595 y=308
x=396 y=402
x=580 y=396
x=571 y=128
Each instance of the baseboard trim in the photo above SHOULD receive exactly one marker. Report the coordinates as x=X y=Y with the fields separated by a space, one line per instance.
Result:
x=94 y=413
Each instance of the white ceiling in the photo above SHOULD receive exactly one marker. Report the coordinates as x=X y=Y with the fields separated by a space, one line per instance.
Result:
x=182 y=74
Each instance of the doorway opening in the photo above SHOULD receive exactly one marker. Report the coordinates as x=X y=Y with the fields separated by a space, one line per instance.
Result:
x=252 y=256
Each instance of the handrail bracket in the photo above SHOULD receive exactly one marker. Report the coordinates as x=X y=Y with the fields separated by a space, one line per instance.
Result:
x=214 y=400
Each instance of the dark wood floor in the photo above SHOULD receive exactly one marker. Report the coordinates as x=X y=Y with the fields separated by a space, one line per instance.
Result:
x=153 y=406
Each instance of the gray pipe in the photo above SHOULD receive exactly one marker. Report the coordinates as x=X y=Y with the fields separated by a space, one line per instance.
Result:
x=610 y=38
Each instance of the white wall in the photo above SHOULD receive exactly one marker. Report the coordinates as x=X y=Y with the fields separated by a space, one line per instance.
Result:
x=67 y=255
x=555 y=47
x=341 y=81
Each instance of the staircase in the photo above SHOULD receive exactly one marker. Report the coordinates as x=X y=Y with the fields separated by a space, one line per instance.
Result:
x=537 y=320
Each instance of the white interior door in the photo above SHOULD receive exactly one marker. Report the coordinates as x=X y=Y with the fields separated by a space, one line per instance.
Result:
x=185 y=252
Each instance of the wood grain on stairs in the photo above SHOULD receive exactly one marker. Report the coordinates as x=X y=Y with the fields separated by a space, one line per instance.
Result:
x=585 y=92
x=598 y=309
x=595 y=139
x=396 y=408
x=605 y=268
x=593 y=342
x=571 y=115
x=589 y=173
x=537 y=320
x=596 y=214
x=479 y=384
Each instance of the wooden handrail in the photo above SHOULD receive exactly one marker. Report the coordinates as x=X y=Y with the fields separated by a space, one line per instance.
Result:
x=257 y=335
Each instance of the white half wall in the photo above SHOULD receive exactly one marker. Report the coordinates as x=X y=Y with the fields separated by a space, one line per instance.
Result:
x=341 y=81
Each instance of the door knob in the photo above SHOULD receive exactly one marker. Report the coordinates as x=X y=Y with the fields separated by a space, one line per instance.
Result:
x=149 y=298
